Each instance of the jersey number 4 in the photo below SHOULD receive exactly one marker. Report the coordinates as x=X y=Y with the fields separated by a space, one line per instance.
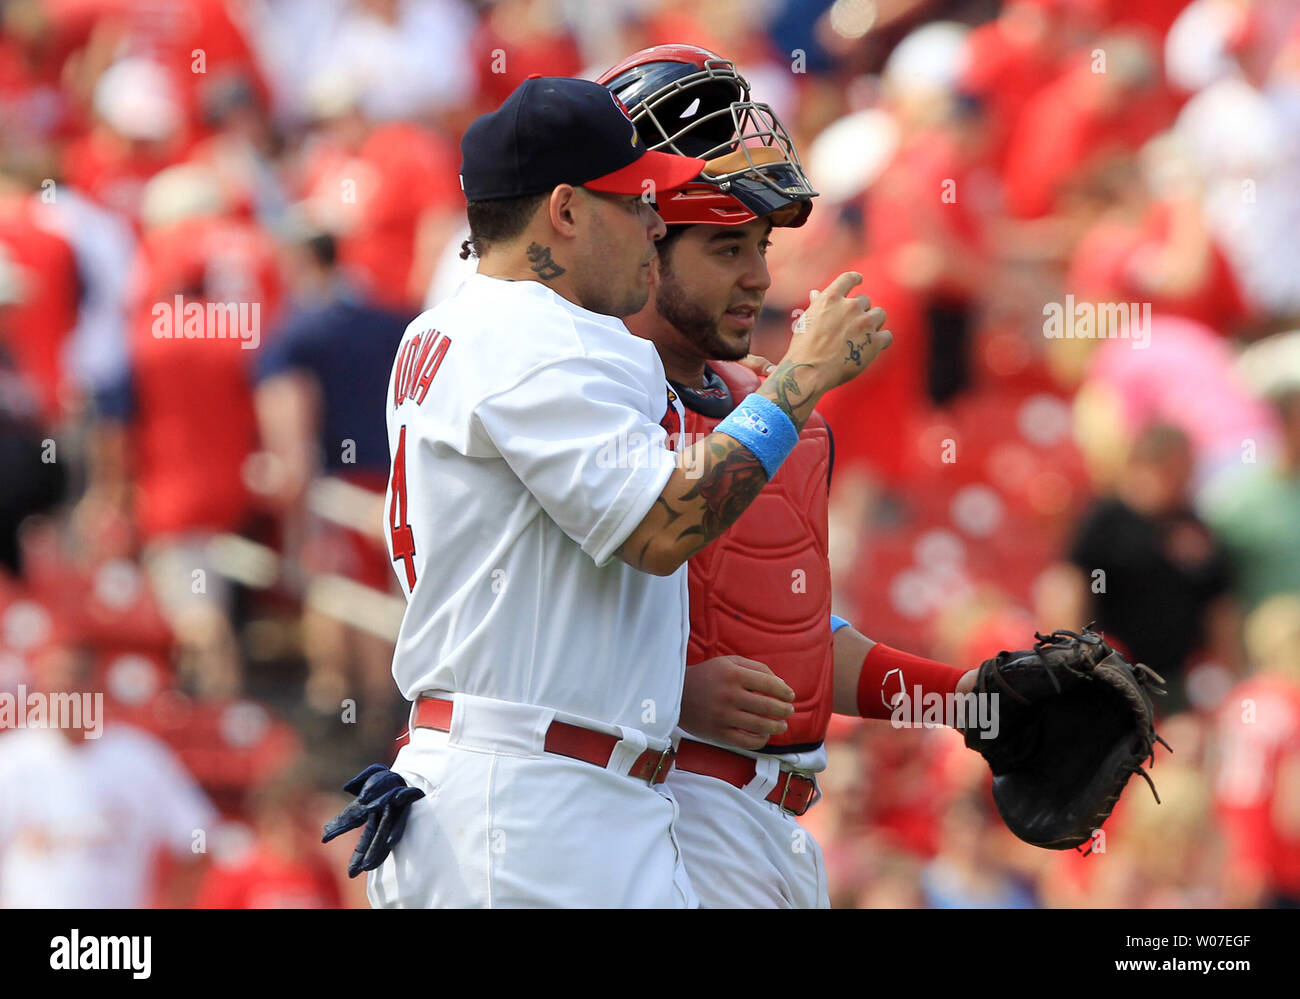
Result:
x=403 y=539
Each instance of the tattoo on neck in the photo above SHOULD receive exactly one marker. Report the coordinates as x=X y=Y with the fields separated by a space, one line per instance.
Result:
x=542 y=264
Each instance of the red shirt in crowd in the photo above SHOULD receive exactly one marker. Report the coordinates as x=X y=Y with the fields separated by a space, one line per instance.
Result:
x=113 y=171
x=191 y=417
x=35 y=330
x=1103 y=270
x=507 y=53
x=400 y=172
x=928 y=194
x=268 y=880
x=873 y=418
x=172 y=34
x=1065 y=127
x=1005 y=71
x=1259 y=732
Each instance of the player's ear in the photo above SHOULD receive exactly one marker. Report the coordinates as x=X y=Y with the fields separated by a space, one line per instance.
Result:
x=565 y=208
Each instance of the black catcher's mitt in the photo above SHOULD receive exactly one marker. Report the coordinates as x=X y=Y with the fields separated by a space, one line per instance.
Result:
x=1074 y=723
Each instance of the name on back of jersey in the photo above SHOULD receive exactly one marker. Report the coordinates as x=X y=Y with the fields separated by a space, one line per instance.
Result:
x=418 y=361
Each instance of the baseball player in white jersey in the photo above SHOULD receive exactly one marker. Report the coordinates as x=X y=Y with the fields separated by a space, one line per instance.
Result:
x=538 y=524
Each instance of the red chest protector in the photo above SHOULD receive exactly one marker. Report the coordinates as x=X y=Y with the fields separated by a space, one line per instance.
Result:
x=763 y=589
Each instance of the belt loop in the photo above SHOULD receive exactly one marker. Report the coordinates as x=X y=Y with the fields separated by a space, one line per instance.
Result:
x=540 y=728
x=767 y=771
x=627 y=750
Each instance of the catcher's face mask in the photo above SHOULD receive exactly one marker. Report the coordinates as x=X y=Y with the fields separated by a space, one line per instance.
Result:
x=691 y=101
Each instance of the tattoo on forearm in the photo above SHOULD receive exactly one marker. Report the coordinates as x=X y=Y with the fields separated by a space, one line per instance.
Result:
x=638 y=560
x=542 y=264
x=732 y=478
x=729 y=478
x=785 y=391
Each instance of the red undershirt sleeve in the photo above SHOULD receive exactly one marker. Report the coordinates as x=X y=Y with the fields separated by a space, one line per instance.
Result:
x=887 y=672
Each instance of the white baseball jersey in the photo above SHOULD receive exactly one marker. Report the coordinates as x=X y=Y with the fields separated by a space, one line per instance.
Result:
x=80 y=822
x=527 y=445
x=526 y=442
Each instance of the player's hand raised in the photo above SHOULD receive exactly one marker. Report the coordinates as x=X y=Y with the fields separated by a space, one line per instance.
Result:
x=840 y=334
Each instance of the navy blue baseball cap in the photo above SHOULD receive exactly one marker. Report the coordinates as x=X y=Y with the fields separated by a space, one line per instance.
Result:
x=555 y=130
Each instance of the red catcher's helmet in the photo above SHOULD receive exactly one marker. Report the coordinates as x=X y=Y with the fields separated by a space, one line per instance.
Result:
x=690 y=101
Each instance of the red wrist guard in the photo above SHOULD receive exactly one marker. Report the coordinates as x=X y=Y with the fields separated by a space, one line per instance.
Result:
x=886 y=672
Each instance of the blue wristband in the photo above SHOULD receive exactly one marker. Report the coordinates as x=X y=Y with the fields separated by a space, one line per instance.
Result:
x=837 y=623
x=762 y=426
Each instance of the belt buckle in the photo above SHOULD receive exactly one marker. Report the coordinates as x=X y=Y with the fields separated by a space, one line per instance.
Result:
x=790 y=775
x=817 y=792
x=669 y=754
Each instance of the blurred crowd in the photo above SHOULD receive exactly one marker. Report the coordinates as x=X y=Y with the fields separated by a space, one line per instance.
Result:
x=192 y=523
